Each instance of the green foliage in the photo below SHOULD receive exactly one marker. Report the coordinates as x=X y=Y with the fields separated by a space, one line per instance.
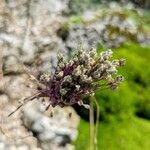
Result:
x=130 y=134
x=118 y=103
x=133 y=95
x=137 y=75
x=143 y=104
x=129 y=101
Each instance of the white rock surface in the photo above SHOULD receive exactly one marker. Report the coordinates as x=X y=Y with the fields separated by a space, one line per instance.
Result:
x=29 y=44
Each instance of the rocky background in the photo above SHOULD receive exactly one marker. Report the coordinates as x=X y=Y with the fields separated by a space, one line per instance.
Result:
x=32 y=32
x=28 y=46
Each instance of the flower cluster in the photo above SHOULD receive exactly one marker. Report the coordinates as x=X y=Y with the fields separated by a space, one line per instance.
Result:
x=80 y=76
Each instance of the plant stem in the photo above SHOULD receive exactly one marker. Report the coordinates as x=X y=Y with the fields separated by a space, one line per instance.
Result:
x=26 y=100
x=91 y=125
x=97 y=123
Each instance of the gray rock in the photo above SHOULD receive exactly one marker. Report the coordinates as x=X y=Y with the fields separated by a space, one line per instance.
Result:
x=111 y=30
x=11 y=65
x=58 y=130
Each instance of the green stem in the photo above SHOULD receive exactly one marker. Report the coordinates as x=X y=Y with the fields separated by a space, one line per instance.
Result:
x=97 y=122
x=91 y=125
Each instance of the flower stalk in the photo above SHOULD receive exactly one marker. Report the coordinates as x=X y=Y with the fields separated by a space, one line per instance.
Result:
x=91 y=115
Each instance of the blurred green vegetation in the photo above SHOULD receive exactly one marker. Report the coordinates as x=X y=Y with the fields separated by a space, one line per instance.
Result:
x=132 y=97
x=122 y=110
x=130 y=134
x=125 y=113
x=122 y=127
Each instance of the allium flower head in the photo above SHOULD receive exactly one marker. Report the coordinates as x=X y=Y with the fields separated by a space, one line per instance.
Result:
x=80 y=76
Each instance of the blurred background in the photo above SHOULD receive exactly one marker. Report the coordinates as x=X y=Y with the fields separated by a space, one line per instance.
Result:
x=32 y=32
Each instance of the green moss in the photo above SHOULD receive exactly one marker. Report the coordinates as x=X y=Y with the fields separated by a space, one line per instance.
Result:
x=122 y=129
x=118 y=103
x=132 y=96
x=130 y=134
